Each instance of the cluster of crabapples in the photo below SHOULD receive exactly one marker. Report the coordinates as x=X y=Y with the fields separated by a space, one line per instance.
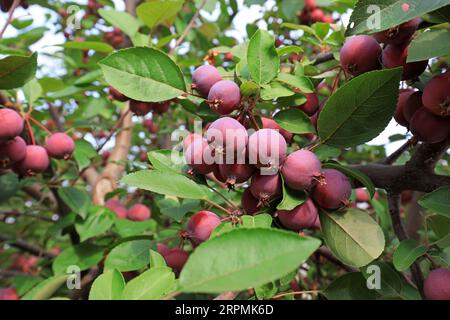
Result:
x=425 y=113
x=31 y=159
x=311 y=13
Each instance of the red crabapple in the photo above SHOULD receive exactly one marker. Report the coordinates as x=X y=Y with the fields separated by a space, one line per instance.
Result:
x=301 y=169
x=428 y=127
x=162 y=248
x=8 y=294
x=333 y=191
x=191 y=137
x=360 y=54
x=437 y=285
x=227 y=136
x=317 y=15
x=139 y=212
x=362 y=195
x=116 y=207
x=249 y=203
x=272 y=124
x=140 y=108
x=303 y=216
x=224 y=97
x=436 y=95
x=267 y=148
x=395 y=56
x=199 y=157
x=400 y=34
x=266 y=187
x=310 y=4
x=236 y=173
x=204 y=78
x=150 y=126
x=116 y=95
x=402 y=98
x=60 y=146
x=413 y=103
x=311 y=105
x=201 y=225
x=176 y=258
x=12 y=152
x=11 y=124
x=161 y=107
x=36 y=161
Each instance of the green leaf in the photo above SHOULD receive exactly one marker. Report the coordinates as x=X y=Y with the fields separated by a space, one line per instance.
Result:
x=144 y=74
x=294 y=120
x=353 y=173
x=350 y=286
x=262 y=220
x=389 y=14
x=108 y=286
x=390 y=282
x=290 y=8
x=89 y=77
x=441 y=228
x=288 y=50
x=162 y=160
x=429 y=44
x=291 y=198
x=15 y=70
x=122 y=20
x=83 y=153
x=165 y=183
x=129 y=256
x=153 y=284
x=244 y=258
x=300 y=82
x=88 y=45
x=10 y=185
x=46 y=288
x=262 y=57
x=32 y=91
x=406 y=253
x=83 y=255
x=354 y=237
x=77 y=200
x=157 y=11
x=437 y=201
x=177 y=210
x=350 y=119
x=98 y=221
x=128 y=228
x=275 y=90
x=156 y=260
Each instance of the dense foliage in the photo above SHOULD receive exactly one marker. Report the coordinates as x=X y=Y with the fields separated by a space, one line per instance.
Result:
x=157 y=153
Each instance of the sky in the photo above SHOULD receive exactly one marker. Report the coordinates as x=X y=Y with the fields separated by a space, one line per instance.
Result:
x=246 y=15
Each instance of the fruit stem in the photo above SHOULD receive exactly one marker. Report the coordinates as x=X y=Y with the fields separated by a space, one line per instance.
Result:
x=40 y=125
x=30 y=131
x=218 y=206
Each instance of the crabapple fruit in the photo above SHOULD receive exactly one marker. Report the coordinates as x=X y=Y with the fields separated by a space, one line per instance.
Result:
x=116 y=207
x=400 y=34
x=428 y=127
x=60 y=146
x=176 y=258
x=303 y=216
x=436 y=95
x=204 y=77
x=311 y=105
x=362 y=195
x=249 y=203
x=161 y=107
x=140 y=108
x=139 y=212
x=150 y=126
x=360 y=54
x=402 y=98
x=235 y=173
x=162 y=248
x=36 y=161
x=12 y=152
x=227 y=136
x=437 y=285
x=11 y=124
x=412 y=104
x=191 y=137
x=272 y=124
x=267 y=148
x=200 y=226
x=8 y=294
x=265 y=187
x=117 y=95
x=395 y=56
x=224 y=97
x=199 y=156
x=301 y=169
x=333 y=191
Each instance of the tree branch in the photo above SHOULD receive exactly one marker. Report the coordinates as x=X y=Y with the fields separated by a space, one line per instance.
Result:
x=27 y=247
x=10 y=17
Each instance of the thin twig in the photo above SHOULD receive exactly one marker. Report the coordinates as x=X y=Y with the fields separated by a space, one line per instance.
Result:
x=295 y=293
x=27 y=247
x=396 y=154
x=10 y=17
x=189 y=27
